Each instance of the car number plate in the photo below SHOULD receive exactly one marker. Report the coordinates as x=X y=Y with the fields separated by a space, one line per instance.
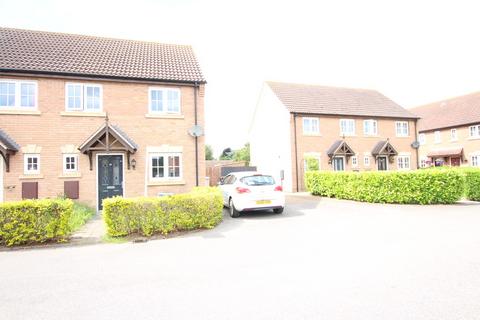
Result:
x=264 y=201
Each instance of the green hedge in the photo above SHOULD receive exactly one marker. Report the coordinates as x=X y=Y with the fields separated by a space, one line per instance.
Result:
x=414 y=187
x=472 y=184
x=201 y=208
x=34 y=221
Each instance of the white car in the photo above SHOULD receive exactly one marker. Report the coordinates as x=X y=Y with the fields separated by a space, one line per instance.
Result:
x=251 y=191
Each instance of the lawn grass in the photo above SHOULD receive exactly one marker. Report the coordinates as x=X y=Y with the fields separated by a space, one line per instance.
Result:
x=81 y=214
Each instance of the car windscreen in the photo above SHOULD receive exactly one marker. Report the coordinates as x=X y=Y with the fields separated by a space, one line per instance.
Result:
x=258 y=180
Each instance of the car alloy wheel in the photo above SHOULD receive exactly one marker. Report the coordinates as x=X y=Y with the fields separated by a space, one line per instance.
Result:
x=233 y=212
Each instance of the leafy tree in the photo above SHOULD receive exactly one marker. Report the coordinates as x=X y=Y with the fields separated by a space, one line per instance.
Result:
x=227 y=154
x=209 y=152
x=243 y=154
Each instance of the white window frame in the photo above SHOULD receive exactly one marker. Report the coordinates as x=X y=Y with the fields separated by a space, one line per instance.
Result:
x=400 y=125
x=83 y=97
x=355 y=161
x=453 y=135
x=25 y=163
x=165 y=91
x=373 y=125
x=476 y=131
x=18 y=95
x=403 y=162
x=308 y=130
x=347 y=121
x=475 y=160
x=366 y=161
x=423 y=163
x=165 y=156
x=437 y=137
x=70 y=155
x=422 y=138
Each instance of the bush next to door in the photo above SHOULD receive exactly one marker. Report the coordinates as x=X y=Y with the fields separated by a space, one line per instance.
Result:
x=472 y=184
x=34 y=221
x=413 y=187
x=199 y=209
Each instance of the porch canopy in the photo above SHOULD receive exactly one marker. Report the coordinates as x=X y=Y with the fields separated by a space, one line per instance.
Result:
x=451 y=152
x=108 y=138
x=384 y=148
x=8 y=147
x=340 y=148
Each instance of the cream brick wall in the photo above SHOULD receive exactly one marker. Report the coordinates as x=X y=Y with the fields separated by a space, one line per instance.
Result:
x=471 y=146
x=127 y=106
x=361 y=144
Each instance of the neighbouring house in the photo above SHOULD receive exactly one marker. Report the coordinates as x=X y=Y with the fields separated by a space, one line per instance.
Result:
x=338 y=129
x=90 y=117
x=449 y=132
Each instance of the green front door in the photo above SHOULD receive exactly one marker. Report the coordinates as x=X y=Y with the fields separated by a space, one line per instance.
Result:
x=110 y=177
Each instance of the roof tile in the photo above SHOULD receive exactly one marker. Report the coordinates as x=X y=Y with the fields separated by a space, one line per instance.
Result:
x=60 y=53
x=315 y=99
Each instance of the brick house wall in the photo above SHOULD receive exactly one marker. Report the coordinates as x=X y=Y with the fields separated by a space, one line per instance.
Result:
x=317 y=145
x=471 y=146
x=126 y=104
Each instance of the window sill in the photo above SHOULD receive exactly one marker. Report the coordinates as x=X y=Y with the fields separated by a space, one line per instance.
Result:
x=312 y=134
x=402 y=136
x=166 y=183
x=164 y=116
x=21 y=112
x=371 y=136
x=82 y=114
x=70 y=175
x=31 y=176
x=473 y=138
x=347 y=135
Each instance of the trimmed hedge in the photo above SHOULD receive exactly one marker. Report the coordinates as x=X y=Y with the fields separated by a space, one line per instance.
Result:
x=412 y=187
x=34 y=221
x=472 y=184
x=201 y=208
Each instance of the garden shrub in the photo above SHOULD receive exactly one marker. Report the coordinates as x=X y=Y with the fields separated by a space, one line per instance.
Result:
x=412 y=187
x=201 y=208
x=34 y=221
x=472 y=184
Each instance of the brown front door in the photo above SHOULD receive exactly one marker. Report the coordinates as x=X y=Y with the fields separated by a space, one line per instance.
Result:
x=455 y=162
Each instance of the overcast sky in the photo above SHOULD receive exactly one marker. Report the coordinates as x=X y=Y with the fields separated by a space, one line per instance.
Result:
x=414 y=52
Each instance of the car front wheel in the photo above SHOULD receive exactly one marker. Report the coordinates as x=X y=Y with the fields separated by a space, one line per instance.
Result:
x=234 y=213
x=278 y=210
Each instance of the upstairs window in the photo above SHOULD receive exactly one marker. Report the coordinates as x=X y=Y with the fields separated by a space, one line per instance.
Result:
x=438 y=137
x=401 y=128
x=370 y=127
x=366 y=161
x=422 y=139
x=83 y=97
x=164 y=100
x=311 y=126
x=453 y=135
x=347 y=127
x=18 y=94
x=474 y=131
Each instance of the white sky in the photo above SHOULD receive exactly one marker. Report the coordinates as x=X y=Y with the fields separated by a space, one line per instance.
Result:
x=414 y=52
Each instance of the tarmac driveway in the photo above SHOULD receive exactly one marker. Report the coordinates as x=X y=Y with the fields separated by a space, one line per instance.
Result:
x=321 y=259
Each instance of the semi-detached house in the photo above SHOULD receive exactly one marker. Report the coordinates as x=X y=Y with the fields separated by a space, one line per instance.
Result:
x=449 y=132
x=90 y=117
x=341 y=129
